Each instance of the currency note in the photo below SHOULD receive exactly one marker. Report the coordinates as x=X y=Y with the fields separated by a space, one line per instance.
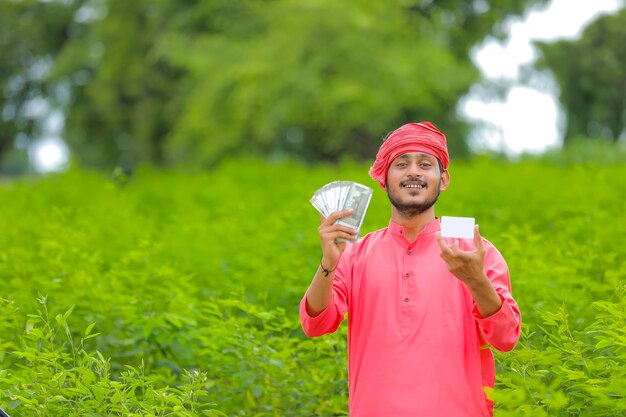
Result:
x=343 y=195
x=357 y=199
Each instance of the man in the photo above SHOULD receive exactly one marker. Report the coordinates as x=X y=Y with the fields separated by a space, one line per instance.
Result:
x=422 y=310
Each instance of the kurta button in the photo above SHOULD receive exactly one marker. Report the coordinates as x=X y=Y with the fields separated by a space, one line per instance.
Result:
x=406 y=275
x=406 y=300
x=408 y=252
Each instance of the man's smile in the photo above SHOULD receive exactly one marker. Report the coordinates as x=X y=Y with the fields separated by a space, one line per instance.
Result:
x=415 y=184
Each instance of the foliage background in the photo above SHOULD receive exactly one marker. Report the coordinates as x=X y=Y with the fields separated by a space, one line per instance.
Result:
x=589 y=73
x=176 y=293
x=174 y=83
x=169 y=289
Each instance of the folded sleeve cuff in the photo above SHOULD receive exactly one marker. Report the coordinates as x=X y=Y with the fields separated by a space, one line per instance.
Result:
x=325 y=322
x=501 y=329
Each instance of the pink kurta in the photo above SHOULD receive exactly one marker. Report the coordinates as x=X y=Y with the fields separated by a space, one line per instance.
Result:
x=417 y=346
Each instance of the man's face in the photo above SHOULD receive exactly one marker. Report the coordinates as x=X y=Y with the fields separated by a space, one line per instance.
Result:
x=414 y=182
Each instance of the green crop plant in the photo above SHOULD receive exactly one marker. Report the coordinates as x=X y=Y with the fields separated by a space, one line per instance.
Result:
x=176 y=293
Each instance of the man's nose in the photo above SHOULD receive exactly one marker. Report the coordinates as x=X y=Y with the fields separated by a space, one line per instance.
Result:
x=414 y=170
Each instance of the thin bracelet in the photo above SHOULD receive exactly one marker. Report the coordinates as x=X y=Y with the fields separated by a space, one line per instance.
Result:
x=326 y=271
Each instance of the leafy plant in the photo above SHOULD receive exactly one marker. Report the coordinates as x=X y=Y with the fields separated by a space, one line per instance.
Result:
x=176 y=294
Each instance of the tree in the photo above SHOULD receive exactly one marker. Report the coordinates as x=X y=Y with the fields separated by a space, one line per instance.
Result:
x=317 y=81
x=323 y=79
x=591 y=77
x=31 y=35
x=126 y=96
x=180 y=81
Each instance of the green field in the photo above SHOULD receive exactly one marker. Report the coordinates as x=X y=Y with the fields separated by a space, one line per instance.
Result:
x=176 y=294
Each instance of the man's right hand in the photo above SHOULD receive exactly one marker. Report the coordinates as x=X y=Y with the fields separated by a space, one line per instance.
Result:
x=329 y=233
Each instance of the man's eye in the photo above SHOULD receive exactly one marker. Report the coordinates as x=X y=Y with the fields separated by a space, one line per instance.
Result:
x=401 y=164
x=426 y=165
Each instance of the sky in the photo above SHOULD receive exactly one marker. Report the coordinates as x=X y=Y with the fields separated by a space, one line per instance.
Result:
x=500 y=126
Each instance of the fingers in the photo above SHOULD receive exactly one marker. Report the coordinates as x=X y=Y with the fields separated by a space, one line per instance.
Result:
x=442 y=244
x=478 y=241
x=449 y=249
x=454 y=247
x=335 y=228
x=340 y=234
x=334 y=232
x=333 y=217
x=330 y=231
x=330 y=234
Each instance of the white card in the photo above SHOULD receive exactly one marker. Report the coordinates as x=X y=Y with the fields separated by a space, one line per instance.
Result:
x=461 y=227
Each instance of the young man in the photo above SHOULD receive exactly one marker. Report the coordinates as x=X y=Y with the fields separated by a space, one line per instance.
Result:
x=422 y=310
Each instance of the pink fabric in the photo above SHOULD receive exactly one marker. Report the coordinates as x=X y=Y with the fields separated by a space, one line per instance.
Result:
x=411 y=137
x=416 y=343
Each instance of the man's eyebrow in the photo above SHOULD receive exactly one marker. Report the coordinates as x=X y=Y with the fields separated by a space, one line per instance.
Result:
x=418 y=155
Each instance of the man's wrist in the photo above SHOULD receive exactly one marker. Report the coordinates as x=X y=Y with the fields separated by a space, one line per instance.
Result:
x=479 y=283
x=327 y=269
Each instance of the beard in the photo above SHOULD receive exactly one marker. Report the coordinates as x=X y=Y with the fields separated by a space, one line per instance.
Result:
x=413 y=209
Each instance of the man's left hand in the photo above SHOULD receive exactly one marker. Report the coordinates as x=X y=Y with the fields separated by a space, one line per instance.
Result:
x=465 y=265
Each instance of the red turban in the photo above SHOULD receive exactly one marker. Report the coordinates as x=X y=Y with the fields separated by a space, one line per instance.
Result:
x=412 y=137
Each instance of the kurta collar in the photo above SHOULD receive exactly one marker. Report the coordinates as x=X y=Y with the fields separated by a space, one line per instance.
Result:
x=431 y=227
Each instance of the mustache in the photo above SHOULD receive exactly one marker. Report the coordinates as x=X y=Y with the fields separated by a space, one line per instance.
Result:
x=413 y=181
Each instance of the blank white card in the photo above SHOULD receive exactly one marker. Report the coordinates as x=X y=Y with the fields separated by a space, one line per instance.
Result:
x=461 y=227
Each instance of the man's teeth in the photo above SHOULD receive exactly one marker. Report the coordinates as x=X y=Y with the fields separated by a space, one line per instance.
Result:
x=419 y=186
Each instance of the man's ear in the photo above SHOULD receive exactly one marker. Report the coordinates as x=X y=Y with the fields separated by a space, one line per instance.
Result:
x=445 y=180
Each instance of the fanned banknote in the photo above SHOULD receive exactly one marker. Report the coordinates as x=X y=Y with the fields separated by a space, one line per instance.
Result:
x=343 y=195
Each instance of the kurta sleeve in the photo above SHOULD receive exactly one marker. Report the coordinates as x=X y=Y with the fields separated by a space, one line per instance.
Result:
x=328 y=321
x=501 y=329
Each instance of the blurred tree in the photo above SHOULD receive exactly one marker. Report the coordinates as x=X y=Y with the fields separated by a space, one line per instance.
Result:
x=323 y=79
x=31 y=34
x=590 y=74
x=190 y=81
x=123 y=94
x=126 y=95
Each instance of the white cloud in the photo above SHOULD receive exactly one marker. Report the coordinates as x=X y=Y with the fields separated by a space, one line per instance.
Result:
x=563 y=19
x=529 y=118
x=504 y=125
x=521 y=123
